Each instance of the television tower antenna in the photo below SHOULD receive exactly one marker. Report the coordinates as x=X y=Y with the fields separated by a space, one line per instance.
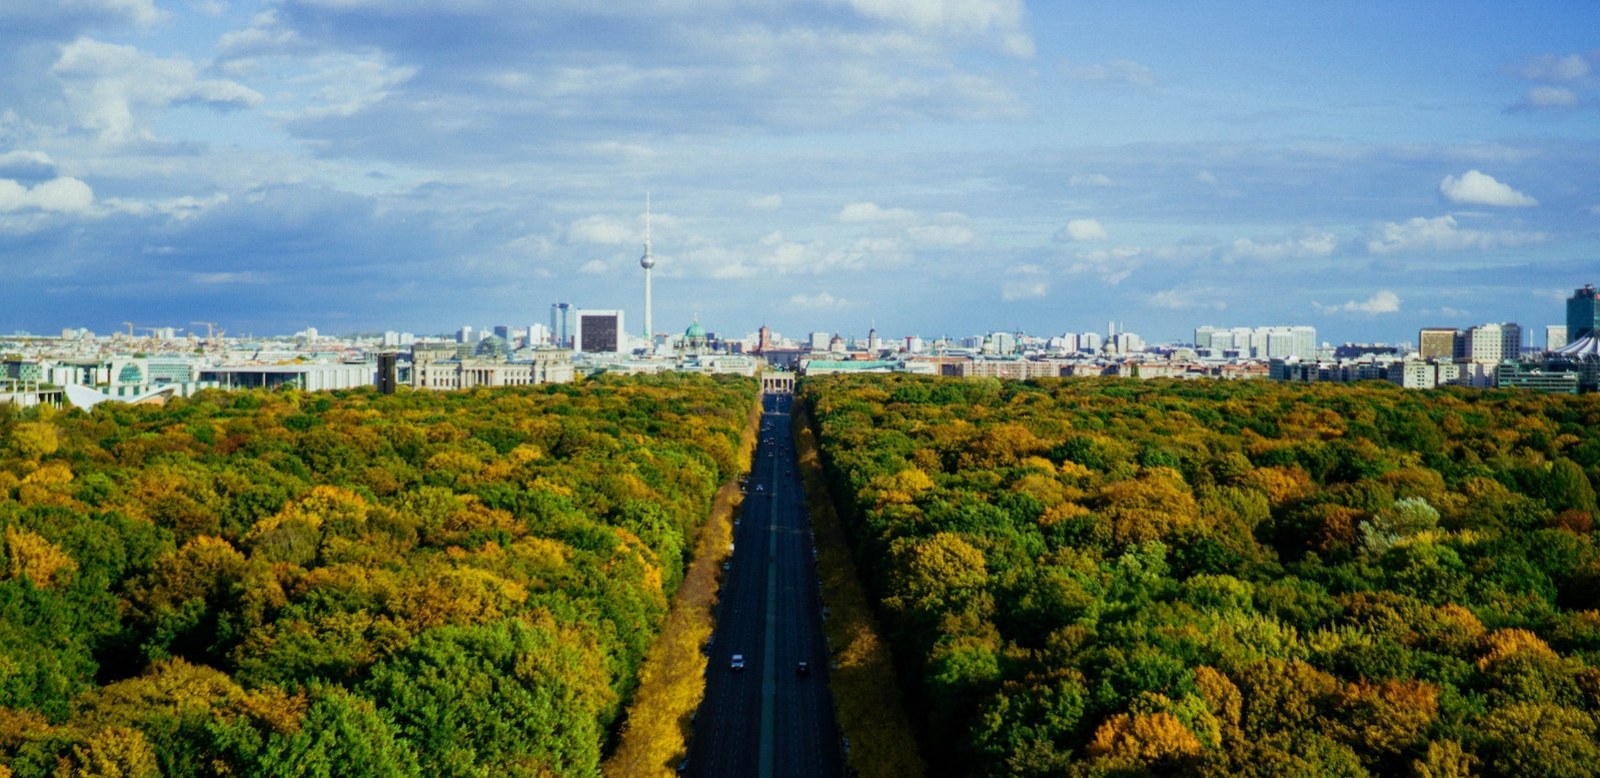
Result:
x=647 y=262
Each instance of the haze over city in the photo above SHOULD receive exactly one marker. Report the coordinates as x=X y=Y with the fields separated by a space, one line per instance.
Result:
x=933 y=167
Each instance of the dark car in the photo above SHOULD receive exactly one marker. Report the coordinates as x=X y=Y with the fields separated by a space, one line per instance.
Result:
x=804 y=668
x=737 y=663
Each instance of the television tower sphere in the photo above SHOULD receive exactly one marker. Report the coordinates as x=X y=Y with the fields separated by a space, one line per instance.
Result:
x=647 y=261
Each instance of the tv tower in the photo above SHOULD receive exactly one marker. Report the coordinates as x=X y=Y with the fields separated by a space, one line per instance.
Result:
x=647 y=262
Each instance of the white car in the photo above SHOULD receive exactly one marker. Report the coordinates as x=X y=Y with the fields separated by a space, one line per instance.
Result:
x=737 y=663
x=760 y=488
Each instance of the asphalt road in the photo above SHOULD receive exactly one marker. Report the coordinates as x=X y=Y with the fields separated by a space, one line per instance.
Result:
x=768 y=720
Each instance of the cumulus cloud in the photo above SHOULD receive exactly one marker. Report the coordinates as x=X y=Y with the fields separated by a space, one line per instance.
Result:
x=1025 y=282
x=31 y=165
x=1476 y=188
x=1310 y=244
x=59 y=195
x=1383 y=301
x=771 y=202
x=1559 y=79
x=1117 y=71
x=1112 y=265
x=1186 y=298
x=1548 y=97
x=1081 y=230
x=1555 y=67
x=858 y=213
x=602 y=230
x=595 y=267
x=1443 y=234
x=109 y=86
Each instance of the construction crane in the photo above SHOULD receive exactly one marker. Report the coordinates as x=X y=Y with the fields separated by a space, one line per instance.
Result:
x=211 y=331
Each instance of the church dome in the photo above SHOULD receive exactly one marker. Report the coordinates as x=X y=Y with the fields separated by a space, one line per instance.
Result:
x=695 y=331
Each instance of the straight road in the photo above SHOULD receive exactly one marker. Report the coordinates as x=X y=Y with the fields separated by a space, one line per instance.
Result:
x=767 y=720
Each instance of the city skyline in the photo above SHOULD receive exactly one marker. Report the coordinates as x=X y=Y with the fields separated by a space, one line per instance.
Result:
x=942 y=168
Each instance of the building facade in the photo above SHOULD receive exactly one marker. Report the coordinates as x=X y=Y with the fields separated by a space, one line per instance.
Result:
x=1583 y=313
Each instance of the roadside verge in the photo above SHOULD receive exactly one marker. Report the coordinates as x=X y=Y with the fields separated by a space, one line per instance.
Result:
x=672 y=678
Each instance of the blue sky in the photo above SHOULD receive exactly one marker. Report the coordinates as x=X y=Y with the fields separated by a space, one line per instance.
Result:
x=935 y=167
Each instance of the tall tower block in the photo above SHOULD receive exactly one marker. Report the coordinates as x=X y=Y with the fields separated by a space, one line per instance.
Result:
x=647 y=262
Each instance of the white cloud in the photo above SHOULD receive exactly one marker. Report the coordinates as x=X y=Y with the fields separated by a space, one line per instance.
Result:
x=595 y=267
x=1476 y=188
x=602 y=230
x=26 y=164
x=109 y=85
x=1186 y=298
x=1384 y=301
x=59 y=195
x=1443 y=234
x=821 y=301
x=1025 y=282
x=1090 y=179
x=1310 y=244
x=1554 y=67
x=1080 y=230
x=1549 y=97
x=1117 y=71
x=141 y=13
x=1112 y=265
x=856 y=213
x=771 y=202
x=1205 y=177
x=999 y=19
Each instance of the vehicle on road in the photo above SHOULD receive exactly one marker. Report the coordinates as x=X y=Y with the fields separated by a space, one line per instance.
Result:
x=760 y=488
x=804 y=668
x=737 y=663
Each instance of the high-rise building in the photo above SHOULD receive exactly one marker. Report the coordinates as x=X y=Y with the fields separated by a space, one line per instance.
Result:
x=561 y=325
x=1555 y=336
x=1261 y=342
x=1439 y=343
x=464 y=335
x=1583 y=313
x=1493 y=342
x=598 y=332
x=537 y=334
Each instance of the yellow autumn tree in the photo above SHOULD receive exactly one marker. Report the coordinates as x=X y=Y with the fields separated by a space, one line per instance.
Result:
x=28 y=555
x=1145 y=737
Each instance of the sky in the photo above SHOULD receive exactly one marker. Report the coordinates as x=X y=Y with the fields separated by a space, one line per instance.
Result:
x=928 y=167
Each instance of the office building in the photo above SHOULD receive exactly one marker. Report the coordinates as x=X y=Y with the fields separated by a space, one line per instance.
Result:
x=1439 y=343
x=1282 y=342
x=1555 y=336
x=1583 y=313
x=598 y=332
x=561 y=325
x=1493 y=342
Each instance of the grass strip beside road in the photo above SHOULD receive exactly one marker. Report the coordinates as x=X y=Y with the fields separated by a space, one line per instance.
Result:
x=866 y=700
x=672 y=680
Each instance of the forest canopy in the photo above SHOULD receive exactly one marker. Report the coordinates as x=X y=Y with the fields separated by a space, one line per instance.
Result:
x=1115 y=577
x=282 y=583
